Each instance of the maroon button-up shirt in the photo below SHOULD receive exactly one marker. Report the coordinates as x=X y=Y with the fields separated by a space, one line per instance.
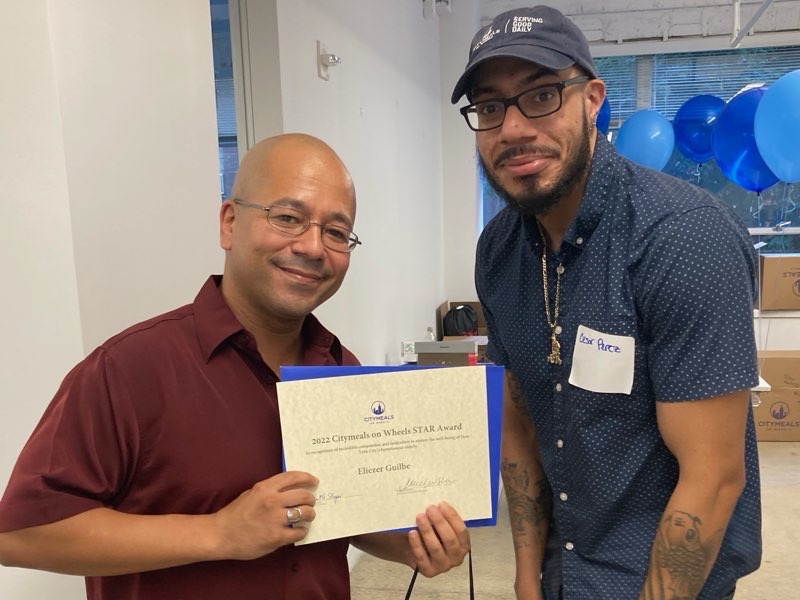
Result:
x=177 y=414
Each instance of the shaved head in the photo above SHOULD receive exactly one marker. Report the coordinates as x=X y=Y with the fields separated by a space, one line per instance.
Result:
x=273 y=156
x=273 y=279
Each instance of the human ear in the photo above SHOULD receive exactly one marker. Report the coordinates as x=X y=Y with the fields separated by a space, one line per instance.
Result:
x=227 y=216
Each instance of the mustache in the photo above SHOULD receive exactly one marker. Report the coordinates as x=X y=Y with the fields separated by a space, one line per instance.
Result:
x=524 y=149
x=309 y=267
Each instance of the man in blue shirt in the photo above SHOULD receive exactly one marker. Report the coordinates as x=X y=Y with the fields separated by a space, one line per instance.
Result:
x=620 y=302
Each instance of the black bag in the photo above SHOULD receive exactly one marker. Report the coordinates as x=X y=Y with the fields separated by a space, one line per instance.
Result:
x=460 y=320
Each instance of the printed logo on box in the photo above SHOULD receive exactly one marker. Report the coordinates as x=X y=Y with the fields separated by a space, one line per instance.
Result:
x=796 y=288
x=779 y=411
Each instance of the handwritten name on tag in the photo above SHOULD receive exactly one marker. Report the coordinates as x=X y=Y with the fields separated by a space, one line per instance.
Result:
x=602 y=362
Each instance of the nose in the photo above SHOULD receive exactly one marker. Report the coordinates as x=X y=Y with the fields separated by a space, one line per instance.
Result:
x=309 y=242
x=516 y=125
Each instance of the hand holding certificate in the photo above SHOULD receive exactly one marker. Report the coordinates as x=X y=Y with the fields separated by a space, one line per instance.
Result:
x=385 y=445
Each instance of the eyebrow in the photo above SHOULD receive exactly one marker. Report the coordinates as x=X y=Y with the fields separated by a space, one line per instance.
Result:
x=532 y=78
x=299 y=205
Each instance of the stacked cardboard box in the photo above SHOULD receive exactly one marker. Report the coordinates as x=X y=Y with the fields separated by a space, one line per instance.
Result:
x=447 y=354
x=780 y=282
x=777 y=412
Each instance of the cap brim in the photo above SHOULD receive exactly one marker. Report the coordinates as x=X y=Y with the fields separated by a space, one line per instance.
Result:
x=540 y=55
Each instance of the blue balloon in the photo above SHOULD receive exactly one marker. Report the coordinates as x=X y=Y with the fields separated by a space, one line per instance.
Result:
x=604 y=116
x=693 y=124
x=646 y=137
x=734 y=143
x=777 y=127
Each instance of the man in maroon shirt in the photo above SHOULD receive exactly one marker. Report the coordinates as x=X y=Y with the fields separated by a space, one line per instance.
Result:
x=156 y=470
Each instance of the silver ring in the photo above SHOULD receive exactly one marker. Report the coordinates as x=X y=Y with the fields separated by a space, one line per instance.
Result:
x=293 y=515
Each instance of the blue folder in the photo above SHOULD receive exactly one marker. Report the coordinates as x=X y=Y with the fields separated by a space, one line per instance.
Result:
x=494 y=395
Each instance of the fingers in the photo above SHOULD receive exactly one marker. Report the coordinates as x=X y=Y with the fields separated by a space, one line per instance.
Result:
x=293 y=479
x=441 y=540
x=258 y=521
x=300 y=514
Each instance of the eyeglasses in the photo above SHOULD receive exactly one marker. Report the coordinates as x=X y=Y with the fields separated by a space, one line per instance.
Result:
x=292 y=222
x=536 y=102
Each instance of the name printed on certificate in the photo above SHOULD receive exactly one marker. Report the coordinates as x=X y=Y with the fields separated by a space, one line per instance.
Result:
x=386 y=445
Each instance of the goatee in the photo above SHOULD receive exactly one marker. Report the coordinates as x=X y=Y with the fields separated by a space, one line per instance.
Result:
x=536 y=199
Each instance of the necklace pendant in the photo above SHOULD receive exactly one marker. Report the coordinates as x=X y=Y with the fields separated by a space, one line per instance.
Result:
x=554 y=358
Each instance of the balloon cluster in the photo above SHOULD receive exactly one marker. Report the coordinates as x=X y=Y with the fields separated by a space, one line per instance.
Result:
x=754 y=136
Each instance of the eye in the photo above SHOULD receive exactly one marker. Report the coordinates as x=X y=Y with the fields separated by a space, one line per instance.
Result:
x=285 y=216
x=487 y=109
x=336 y=234
x=543 y=95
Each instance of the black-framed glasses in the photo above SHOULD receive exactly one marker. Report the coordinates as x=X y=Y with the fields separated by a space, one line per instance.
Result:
x=536 y=102
x=291 y=221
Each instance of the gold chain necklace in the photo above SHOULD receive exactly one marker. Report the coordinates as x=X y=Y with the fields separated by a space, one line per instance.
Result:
x=554 y=357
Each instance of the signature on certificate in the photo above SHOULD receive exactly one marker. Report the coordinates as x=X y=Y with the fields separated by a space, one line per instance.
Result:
x=330 y=497
x=420 y=485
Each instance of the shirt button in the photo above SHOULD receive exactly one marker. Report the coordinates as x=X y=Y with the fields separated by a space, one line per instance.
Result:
x=560 y=443
x=579 y=241
x=558 y=329
x=295 y=567
x=569 y=546
x=558 y=387
x=560 y=269
x=563 y=496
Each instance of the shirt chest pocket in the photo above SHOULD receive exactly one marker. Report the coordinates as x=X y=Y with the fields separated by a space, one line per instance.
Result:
x=607 y=365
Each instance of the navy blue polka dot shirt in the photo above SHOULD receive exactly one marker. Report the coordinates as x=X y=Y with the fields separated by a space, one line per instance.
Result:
x=652 y=258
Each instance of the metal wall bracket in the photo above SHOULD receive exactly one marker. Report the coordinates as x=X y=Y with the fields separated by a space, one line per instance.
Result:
x=325 y=60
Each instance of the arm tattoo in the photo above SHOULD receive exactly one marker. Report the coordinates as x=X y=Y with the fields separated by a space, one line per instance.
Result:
x=516 y=395
x=680 y=559
x=525 y=511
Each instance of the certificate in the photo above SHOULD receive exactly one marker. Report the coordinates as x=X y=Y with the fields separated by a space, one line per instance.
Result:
x=384 y=445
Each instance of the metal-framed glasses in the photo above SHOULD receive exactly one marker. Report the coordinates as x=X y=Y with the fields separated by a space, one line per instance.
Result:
x=536 y=102
x=293 y=222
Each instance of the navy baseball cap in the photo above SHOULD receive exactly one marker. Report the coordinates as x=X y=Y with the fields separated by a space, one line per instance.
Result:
x=539 y=34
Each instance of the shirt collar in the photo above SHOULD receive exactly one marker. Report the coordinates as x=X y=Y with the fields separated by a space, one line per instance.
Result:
x=599 y=184
x=216 y=323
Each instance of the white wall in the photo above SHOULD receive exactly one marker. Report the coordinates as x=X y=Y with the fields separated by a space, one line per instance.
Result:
x=109 y=183
x=380 y=111
x=135 y=86
x=39 y=317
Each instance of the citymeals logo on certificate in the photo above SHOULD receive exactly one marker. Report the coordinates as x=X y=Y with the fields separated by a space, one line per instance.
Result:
x=378 y=410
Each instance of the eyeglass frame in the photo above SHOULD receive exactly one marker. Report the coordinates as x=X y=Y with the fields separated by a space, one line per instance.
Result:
x=353 y=240
x=514 y=101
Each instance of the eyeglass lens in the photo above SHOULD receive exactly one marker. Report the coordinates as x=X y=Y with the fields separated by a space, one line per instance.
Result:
x=538 y=102
x=294 y=222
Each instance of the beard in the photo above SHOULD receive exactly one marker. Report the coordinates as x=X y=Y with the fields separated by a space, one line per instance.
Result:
x=537 y=199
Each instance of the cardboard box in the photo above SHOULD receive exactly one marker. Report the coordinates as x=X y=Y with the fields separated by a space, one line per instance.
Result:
x=780 y=282
x=460 y=353
x=777 y=412
x=442 y=309
x=480 y=340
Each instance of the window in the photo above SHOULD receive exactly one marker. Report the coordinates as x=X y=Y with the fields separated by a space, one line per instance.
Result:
x=663 y=82
x=226 y=105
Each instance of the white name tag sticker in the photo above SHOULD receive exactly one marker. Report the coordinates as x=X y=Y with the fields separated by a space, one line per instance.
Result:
x=602 y=362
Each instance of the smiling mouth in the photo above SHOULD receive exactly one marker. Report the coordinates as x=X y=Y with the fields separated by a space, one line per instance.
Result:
x=528 y=164
x=303 y=276
x=525 y=157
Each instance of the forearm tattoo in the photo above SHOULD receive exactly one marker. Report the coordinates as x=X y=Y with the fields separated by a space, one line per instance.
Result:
x=528 y=508
x=680 y=558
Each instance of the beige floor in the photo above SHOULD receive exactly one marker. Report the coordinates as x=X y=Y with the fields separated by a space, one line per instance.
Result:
x=493 y=566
